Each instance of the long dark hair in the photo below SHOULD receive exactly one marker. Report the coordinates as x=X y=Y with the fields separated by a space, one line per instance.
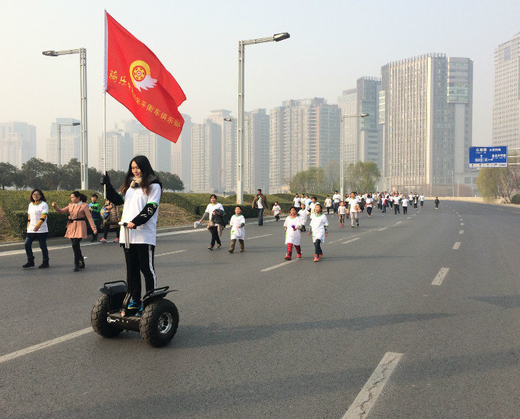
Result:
x=147 y=175
x=42 y=196
x=79 y=195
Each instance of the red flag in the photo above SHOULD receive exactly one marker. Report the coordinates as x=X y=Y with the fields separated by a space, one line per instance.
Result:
x=135 y=77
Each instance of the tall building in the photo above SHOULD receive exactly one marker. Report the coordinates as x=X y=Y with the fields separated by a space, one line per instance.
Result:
x=303 y=133
x=361 y=137
x=256 y=151
x=206 y=157
x=70 y=142
x=119 y=150
x=156 y=148
x=181 y=154
x=17 y=142
x=506 y=103
x=423 y=124
x=228 y=150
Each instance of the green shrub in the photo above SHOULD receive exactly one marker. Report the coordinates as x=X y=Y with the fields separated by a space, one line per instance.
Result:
x=515 y=199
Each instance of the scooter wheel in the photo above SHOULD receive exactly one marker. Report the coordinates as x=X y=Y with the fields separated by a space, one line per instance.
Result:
x=159 y=322
x=98 y=318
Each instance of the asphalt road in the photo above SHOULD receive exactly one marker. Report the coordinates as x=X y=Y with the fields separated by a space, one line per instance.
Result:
x=407 y=316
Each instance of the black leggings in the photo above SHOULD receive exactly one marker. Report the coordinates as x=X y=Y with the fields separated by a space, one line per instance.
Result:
x=107 y=226
x=317 y=248
x=140 y=258
x=77 y=250
x=214 y=235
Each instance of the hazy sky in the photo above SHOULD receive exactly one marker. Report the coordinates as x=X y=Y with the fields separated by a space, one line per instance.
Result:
x=332 y=44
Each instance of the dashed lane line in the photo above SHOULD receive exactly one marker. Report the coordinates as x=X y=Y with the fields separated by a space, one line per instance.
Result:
x=384 y=228
x=351 y=240
x=456 y=245
x=270 y=268
x=258 y=237
x=44 y=345
x=440 y=276
x=461 y=232
x=368 y=396
x=170 y=253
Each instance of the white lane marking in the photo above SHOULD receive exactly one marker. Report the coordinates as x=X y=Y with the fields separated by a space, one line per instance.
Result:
x=408 y=218
x=399 y=222
x=175 y=233
x=381 y=229
x=440 y=276
x=351 y=240
x=456 y=245
x=170 y=253
x=461 y=219
x=461 y=232
x=37 y=250
x=44 y=345
x=367 y=398
x=257 y=237
x=278 y=266
x=461 y=224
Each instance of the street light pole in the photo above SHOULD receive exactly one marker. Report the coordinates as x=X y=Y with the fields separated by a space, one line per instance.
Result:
x=65 y=124
x=240 y=121
x=83 y=96
x=342 y=152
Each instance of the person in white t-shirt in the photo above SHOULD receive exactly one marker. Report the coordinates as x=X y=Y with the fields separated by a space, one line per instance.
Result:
x=369 y=204
x=342 y=211
x=319 y=230
x=354 y=209
x=292 y=226
x=237 y=224
x=405 y=201
x=37 y=228
x=297 y=201
x=303 y=216
x=328 y=204
x=215 y=212
x=260 y=204
x=277 y=209
x=140 y=193
x=336 y=198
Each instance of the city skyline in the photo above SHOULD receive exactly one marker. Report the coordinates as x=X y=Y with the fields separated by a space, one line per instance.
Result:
x=198 y=45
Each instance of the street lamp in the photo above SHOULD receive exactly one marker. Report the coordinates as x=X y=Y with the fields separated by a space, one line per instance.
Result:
x=341 y=153
x=65 y=124
x=83 y=96
x=240 y=121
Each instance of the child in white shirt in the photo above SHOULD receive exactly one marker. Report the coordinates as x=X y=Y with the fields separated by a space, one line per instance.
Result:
x=277 y=209
x=292 y=233
x=303 y=216
x=342 y=211
x=319 y=230
x=237 y=224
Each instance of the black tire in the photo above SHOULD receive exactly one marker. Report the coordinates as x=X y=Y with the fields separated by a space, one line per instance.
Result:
x=98 y=318
x=159 y=322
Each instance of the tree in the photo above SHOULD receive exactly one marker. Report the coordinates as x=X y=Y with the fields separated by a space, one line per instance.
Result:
x=116 y=178
x=498 y=182
x=39 y=174
x=362 y=177
x=311 y=180
x=8 y=175
x=171 y=181
x=70 y=175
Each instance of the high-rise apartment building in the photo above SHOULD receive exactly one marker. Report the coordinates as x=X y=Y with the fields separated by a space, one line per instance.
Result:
x=256 y=151
x=424 y=128
x=303 y=133
x=17 y=142
x=70 y=142
x=506 y=103
x=361 y=137
x=228 y=151
x=206 y=157
x=156 y=148
x=118 y=152
x=181 y=154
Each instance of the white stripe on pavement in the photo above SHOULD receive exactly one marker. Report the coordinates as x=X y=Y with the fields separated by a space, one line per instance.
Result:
x=44 y=345
x=258 y=237
x=461 y=224
x=169 y=253
x=367 y=398
x=351 y=240
x=278 y=266
x=456 y=245
x=440 y=276
x=381 y=229
x=461 y=232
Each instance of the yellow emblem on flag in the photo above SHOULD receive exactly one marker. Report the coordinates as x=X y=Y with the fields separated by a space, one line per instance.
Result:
x=141 y=75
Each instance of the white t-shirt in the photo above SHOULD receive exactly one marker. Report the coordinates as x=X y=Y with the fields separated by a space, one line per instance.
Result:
x=421 y=198
x=336 y=198
x=259 y=203
x=210 y=208
x=370 y=202
x=35 y=212
x=303 y=216
x=237 y=232
x=135 y=201
x=292 y=236
x=318 y=224
x=342 y=209
x=297 y=202
x=277 y=209
x=352 y=203
x=311 y=206
x=328 y=202
x=405 y=202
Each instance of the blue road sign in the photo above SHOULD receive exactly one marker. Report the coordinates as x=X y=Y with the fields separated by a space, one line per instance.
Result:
x=488 y=156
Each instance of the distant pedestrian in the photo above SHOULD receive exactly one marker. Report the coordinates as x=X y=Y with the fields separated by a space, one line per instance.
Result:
x=260 y=203
x=77 y=226
x=405 y=203
x=437 y=202
x=292 y=228
x=237 y=224
x=111 y=220
x=297 y=201
x=319 y=230
x=397 y=202
x=342 y=211
x=421 y=200
x=37 y=228
x=336 y=198
x=95 y=211
x=354 y=209
x=215 y=213
x=277 y=209
x=369 y=204
x=328 y=204
x=303 y=216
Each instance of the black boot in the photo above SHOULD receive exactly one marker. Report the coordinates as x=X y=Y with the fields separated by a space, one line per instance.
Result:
x=76 y=265
x=45 y=264
x=82 y=263
x=29 y=264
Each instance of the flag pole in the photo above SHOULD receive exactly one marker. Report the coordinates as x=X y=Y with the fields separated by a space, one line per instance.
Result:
x=105 y=140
